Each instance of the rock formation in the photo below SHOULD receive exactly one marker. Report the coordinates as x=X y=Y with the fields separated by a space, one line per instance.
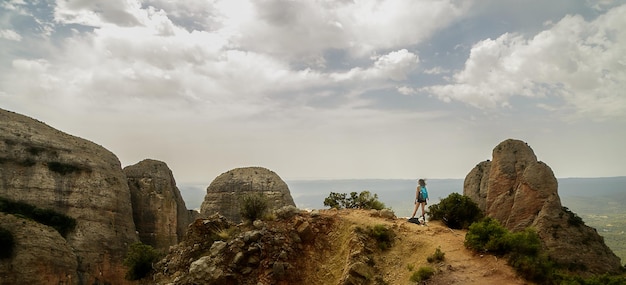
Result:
x=159 y=211
x=50 y=169
x=521 y=192
x=34 y=261
x=225 y=192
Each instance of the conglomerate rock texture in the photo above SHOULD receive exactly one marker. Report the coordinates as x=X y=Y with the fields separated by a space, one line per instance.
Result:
x=225 y=192
x=47 y=168
x=159 y=210
x=521 y=192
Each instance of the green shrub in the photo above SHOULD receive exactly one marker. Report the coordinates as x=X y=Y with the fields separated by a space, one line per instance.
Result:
x=437 y=256
x=522 y=249
x=538 y=268
x=363 y=200
x=526 y=242
x=139 y=259
x=423 y=273
x=572 y=218
x=383 y=235
x=60 y=222
x=253 y=206
x=604 y=279
x=6 y=243
x=487 y=236
x=456 y=211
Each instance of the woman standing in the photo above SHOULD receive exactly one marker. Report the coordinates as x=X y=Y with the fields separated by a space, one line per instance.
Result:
x=421 y=198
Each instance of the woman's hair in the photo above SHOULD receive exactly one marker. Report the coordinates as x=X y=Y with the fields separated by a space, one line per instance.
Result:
x=421 y=182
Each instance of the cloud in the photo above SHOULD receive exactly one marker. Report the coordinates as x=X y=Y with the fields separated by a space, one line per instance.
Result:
x=295 y=29
x=10 y=35
x=582 y=62
x=98 y=13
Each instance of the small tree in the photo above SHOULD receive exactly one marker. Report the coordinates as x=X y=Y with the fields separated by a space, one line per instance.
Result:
x=335 y=200
x=363 y=200
x=253 y=206
x=368 y=201
x=139 y=259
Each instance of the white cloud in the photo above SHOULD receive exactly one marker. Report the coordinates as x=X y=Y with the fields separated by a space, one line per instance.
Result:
x=581 y=62
x=307 y=28
x=12 y=4
x=98 y=13
x=10 y=35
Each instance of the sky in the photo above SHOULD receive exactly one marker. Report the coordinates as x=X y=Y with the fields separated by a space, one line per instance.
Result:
x=324 y=89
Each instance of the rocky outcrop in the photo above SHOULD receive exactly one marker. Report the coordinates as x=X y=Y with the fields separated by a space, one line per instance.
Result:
x=476 y=184
x=521 y=192
x=40 y=254
x=280 y=251
x=225 y=192
x=159 y=211
x=42 y=166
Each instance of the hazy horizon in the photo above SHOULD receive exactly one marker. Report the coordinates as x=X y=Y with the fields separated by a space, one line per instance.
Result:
x=312 y=194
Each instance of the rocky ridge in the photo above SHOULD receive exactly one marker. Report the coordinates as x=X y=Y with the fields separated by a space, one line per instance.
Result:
x=521 y=192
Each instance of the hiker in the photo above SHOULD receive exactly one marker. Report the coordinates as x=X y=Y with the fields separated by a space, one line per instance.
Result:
x=421 y=198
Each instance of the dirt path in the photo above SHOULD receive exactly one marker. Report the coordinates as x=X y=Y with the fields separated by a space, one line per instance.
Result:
x=414 y=243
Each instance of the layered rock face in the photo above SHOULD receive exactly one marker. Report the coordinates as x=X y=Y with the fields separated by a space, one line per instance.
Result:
x=225 y=192
x=50 y=169
x=159 y=211
x=34 y=261
x=521 y=192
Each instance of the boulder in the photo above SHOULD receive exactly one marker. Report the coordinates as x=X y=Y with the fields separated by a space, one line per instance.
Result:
x=521 y=192
x=224 y=194
x=47 y=168
x=159 y=210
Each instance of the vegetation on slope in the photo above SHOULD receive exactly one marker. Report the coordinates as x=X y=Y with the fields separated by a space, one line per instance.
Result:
x=60 y=222
x=522 y=249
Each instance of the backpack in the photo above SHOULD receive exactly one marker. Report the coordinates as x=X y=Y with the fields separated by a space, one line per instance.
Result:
x=414 y=220
x=420 y=195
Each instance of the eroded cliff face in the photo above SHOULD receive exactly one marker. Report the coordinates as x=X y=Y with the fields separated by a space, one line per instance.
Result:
x=50 y=169
x=521 y=192
x=159 y=211
x=225 y=192
x=34 y=262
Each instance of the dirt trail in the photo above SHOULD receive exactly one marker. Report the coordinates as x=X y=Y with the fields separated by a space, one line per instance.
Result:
x=414 y=243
